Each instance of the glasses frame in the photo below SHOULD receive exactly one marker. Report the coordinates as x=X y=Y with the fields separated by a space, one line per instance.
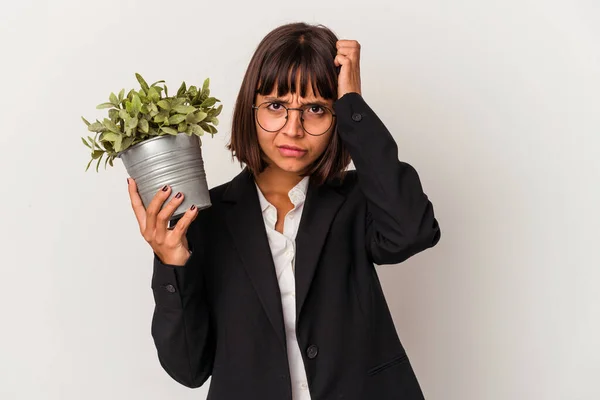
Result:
x=255 y=108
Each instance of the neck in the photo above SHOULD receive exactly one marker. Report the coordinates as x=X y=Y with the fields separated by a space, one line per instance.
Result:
x=277 y=181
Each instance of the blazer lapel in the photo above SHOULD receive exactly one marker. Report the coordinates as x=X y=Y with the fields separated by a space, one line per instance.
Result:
x=246 y=225
x=320 y=207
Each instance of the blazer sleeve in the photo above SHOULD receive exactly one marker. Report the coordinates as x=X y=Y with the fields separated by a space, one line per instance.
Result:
x=400 y=218
x=181 y=323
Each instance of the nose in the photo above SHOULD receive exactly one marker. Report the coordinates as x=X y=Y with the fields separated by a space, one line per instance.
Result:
x=293 y=125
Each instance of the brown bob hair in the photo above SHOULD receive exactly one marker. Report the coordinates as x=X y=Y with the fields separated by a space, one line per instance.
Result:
x=283 y=53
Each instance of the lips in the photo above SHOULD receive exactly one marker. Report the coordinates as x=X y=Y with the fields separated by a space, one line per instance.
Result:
x=291 y=151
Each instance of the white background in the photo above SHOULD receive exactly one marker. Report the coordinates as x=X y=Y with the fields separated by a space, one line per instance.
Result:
x=495 y=103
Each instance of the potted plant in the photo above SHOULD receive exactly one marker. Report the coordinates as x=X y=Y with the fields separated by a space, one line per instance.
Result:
x=158 y=139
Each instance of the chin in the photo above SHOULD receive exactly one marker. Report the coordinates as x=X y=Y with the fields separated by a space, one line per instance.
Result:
x=290 y=165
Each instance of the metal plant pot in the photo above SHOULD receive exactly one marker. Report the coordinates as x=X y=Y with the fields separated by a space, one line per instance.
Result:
x=175 y=160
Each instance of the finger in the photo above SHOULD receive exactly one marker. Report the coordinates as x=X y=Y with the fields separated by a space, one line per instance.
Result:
x=341 y=59
x=347 y=43
x=164 y=215
x=136 y=204
x=349 y=51
x=181 y=227
x=154 y=207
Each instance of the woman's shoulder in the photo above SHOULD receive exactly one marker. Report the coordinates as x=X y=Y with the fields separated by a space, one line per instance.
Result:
x=346 y=182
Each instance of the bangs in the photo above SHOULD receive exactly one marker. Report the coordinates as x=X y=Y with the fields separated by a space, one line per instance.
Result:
x=314 y=67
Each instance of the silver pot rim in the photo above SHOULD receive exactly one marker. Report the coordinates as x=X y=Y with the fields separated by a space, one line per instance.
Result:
x=149 y=140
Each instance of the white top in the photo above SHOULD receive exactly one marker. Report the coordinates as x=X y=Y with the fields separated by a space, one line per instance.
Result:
x=283 y=249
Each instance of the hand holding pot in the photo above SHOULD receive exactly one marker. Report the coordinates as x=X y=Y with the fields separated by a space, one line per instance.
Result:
x=169 y=244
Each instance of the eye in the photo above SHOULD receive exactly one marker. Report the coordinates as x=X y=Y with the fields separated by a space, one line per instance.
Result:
x=315 y=109
x=274 y=106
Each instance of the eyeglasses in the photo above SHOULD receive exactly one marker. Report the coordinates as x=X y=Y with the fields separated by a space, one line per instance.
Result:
x=315 y=118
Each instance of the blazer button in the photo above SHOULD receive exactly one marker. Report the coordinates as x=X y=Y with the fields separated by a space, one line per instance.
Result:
x=356 y=117
x=312 y=351
x=170 y=288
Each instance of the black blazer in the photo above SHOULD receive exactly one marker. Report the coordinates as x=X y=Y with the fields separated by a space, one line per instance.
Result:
x=220 y=315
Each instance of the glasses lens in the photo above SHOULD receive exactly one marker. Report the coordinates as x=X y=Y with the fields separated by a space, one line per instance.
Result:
x=317 y=119
x=273 y=116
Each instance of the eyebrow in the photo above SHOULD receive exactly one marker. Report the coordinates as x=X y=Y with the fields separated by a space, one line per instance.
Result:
x=279 y=100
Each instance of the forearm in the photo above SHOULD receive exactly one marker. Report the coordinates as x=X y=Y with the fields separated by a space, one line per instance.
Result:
x=400 y=218
x=181 y=326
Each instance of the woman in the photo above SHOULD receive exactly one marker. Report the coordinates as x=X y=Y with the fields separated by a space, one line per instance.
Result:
x=272 y=290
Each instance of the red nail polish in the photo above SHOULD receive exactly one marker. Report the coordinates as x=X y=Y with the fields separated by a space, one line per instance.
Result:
x=193 y=207
x=164 y=189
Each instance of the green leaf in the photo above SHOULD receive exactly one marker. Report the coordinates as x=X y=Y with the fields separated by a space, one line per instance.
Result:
x=136 y=105
x=121 y=95
x=181 y=89
x=92 y=142
x=123 y=114
x=182 y=127
x=110 y=136
x=131 y=123
x=98 y=163
x=108 y=124
x=214 y=121
x=208 y=102
x=104 y=105
x=161 y=117
x=184 y=109
x=205 y=84
x=176 y=119
x=97 y=154
x=217 y=110
x=164 y=104
x=96 y=127
x=88 y=165
x=113 y=99
x=118 y=143
x=168 y=130
x=178 y=101
x=85 y=142
x=166 y=91
x=143 y=125
x=157 y=82
x=153 y=94
x=142 y=82
x=127 y=142
x=196 y=117
x=152 y=109
x=113 y=114
x=206 y=127
x=86 y=121
x=197 y=130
